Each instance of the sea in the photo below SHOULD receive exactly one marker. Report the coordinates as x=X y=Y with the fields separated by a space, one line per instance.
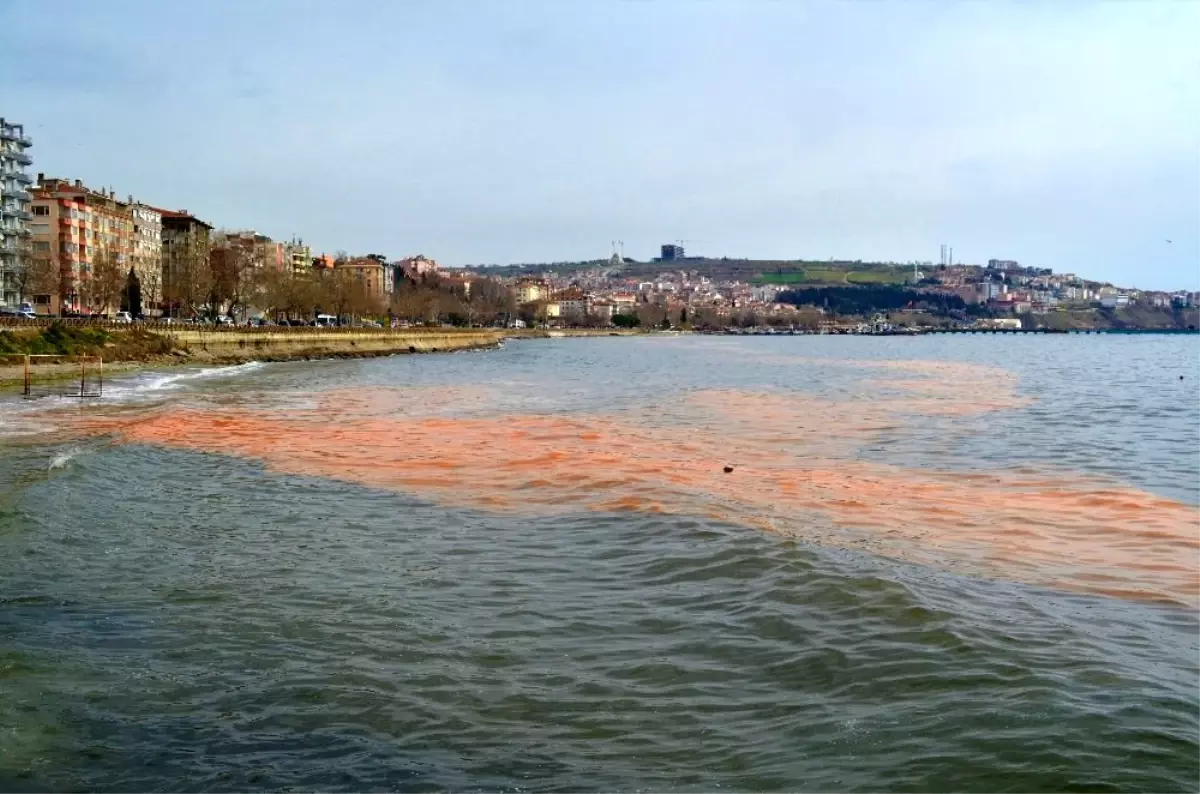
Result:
x=659 y=563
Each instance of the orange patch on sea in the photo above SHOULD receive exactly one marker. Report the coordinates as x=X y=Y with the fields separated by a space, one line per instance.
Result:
x=791 y=475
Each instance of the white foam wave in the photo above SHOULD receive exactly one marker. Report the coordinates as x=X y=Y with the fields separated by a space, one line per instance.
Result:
x=61 y=459
x=149 y=384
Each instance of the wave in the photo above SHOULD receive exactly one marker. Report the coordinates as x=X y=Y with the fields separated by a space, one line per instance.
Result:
x=148 y=384
x=62 y=459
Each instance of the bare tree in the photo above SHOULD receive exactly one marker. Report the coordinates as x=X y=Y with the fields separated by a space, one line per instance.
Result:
x=490 y=300
x=188 y=280
x=107 y=280
x=152 y=289
x=34 y=275
x=232 y=267
x=651 y=315
x=707 y=319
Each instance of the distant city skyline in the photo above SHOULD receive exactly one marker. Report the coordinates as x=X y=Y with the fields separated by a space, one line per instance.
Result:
x=1061 y=135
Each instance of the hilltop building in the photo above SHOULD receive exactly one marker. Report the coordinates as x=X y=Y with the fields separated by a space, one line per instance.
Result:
x=672 y=252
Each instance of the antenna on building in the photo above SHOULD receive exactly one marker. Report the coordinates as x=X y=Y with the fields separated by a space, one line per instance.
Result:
x=951 y=256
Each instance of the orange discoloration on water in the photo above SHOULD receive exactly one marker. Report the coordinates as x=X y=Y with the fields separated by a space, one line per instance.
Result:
x=792 y=475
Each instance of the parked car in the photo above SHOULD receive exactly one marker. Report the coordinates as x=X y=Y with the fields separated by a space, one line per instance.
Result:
x=122 y=317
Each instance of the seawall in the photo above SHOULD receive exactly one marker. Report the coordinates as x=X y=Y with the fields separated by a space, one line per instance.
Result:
x=125 y=348
x=287 y=345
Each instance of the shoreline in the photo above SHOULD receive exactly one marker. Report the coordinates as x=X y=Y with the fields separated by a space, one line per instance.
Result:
x=232 y=347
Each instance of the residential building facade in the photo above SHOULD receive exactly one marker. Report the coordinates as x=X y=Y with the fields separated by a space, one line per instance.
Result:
x=82 y=239
x=15 y=214
x=531 y=289
x=185 y=246
x=416 y=266
x=375 y=275
x=261 y=250
x=299 y=257
x=572 y=303
x=147 y=254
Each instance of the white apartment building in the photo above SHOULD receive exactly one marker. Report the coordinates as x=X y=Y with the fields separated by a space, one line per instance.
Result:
x=147 y=252
x=14 y=213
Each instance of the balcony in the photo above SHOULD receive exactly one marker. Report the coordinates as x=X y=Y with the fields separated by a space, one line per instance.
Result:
x=16 y=193
x=20 y=157
x=22 y=178
x=25 y=140
x=8 y=133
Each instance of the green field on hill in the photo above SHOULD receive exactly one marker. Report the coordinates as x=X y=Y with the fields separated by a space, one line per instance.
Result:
x=835 y=275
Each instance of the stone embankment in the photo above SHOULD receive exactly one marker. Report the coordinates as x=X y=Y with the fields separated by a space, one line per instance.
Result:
x=144 y=345
x=268 y=344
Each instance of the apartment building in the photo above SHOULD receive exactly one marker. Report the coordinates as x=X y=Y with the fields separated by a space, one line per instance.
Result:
x=572 y=302
x=185 y=248
x=82 y=242
x=147 y=253
x=271 y=253
x=528 y=290
x=261 y=250
x=14 y=214
x=416 y=266
x=298 y=256
x=373 y=273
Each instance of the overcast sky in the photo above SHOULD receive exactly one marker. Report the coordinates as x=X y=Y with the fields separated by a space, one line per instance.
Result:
x=1062 y=135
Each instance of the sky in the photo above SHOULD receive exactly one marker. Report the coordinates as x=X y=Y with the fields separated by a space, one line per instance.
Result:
x=1062 y=135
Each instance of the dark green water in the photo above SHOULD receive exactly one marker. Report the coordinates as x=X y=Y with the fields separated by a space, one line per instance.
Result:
x=184 y=620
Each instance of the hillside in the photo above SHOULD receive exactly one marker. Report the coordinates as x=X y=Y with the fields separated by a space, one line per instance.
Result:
x=755 y=271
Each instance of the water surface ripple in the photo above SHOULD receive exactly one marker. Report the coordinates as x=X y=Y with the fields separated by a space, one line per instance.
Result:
x=193 y=620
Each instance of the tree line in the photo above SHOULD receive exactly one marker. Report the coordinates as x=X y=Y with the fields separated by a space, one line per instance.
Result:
x=232 y=280
x=870 y=299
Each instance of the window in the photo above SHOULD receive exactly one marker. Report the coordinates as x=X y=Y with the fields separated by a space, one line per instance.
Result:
x=41 y=210
x=39 y=228
x=41 y=246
